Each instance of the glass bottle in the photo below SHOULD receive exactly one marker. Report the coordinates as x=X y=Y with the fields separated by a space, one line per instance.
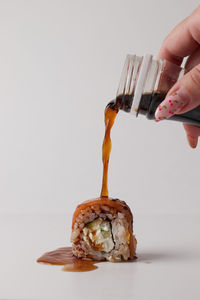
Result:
x=144 y=84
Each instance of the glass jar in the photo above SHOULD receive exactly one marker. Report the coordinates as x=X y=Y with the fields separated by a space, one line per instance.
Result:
x=144 y=84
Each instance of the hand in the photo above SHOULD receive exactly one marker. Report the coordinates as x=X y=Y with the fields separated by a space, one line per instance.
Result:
x=183 y=41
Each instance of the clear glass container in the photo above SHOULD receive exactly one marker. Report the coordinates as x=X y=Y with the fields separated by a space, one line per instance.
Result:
x=144 y=84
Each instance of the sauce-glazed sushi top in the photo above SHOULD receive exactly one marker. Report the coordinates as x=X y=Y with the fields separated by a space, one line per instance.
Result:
x=120 y=205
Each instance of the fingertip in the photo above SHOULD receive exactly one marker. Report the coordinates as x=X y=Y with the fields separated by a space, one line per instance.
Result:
x=193 y=141
x=159 y=116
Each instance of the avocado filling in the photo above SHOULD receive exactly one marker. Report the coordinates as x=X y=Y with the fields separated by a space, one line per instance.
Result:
x=98 y=234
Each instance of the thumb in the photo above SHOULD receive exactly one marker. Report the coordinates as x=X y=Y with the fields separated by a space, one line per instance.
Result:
x=182 y=97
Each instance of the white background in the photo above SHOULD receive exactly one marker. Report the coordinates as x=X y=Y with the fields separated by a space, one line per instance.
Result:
x=60 y=64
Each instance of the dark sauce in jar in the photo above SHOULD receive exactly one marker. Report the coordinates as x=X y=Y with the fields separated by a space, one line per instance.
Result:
x=148 y=105
x=150 y=102
x=124 y=102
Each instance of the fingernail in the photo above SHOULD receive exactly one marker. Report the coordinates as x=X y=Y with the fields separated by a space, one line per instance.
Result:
x=192 y=141
x=171 y=105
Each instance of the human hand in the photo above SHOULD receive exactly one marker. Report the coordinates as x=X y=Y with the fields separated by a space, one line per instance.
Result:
x=183 y=41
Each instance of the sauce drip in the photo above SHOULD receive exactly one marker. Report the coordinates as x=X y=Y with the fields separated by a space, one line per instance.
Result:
x=64 y=256
x=110 y=115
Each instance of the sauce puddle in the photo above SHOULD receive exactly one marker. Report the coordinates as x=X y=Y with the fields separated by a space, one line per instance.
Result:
x=64 y=256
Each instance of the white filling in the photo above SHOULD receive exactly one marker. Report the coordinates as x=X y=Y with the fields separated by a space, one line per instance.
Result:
x=106 y=237
x=98 y=235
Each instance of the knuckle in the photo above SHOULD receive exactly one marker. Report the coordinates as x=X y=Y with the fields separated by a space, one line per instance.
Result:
x=195 y=75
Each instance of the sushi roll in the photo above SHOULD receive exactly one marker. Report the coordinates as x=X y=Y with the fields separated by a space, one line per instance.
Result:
x=102 y=229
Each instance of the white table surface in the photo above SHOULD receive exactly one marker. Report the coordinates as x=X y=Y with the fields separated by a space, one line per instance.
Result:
x=170 y=243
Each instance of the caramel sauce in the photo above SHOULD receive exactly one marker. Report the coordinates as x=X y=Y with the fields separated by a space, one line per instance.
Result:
x=64 y=256
x=110 y=115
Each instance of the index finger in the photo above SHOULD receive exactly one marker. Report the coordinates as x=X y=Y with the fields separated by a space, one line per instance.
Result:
x=183 y=40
